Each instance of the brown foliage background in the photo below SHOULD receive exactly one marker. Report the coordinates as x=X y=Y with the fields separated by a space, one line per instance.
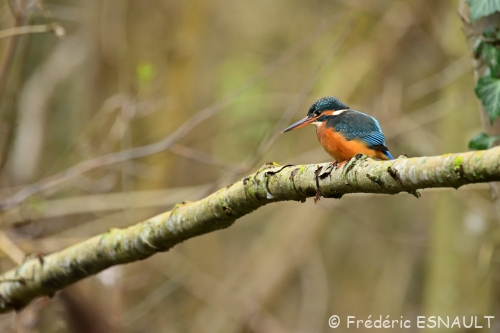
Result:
x=129 y=73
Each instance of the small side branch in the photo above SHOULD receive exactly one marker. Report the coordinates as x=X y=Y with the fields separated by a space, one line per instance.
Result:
x=57 y=29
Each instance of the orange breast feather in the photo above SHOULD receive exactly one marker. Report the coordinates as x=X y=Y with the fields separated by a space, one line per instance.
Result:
x=340 y=148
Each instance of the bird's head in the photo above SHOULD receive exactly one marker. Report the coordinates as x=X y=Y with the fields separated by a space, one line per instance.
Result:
x=319 y=112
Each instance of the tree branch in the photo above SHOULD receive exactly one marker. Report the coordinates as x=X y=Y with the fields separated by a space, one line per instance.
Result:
x=271 y=183
x=32 y=29
x=167 y=142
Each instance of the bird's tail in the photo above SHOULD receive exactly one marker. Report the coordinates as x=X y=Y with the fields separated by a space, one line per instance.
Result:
x=386 y=153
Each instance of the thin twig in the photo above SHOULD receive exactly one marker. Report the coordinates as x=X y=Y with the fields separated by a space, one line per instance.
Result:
x=12 y=9
x=165 y=143
x=6 y=67
x=9 y=52
x=5 y=70
x=267 y=142
x=32 y=29
x=440 y=79
x=203 y=157
x=10 y=249
x=292 y=109
x=46 y=13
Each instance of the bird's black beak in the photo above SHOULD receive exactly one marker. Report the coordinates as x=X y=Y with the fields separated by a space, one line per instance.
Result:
x=301 y=123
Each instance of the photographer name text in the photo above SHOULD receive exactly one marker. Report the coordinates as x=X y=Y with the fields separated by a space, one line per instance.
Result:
x=419 y=322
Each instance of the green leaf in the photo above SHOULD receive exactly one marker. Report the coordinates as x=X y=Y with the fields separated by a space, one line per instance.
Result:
x=491 y=55
x=482 y=141
x=481 y=8
x=489 y=32
x=488 y=91
x=478 y=46
x=145 y=72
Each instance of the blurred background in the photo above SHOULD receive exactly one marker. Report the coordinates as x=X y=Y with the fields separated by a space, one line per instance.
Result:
x=204 y=88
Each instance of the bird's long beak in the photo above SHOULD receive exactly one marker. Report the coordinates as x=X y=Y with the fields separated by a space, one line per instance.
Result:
x=301 y=123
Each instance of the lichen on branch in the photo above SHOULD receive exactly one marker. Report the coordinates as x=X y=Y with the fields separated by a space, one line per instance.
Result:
x=40 y=276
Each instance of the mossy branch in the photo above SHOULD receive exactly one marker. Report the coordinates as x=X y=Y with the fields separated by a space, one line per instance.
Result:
x=39 y=276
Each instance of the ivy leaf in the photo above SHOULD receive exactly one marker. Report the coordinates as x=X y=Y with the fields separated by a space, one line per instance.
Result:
x=481 y=8
x=488 y=91
x=482 y=141
x=491 y=56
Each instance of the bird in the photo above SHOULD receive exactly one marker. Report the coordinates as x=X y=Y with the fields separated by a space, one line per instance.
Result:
x=344 y=132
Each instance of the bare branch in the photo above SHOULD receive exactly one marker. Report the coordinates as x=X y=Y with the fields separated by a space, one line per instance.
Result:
x=202 y=157
x=31 y=29
x=268 y=141
x=165 y=143
x=10 y=249
x=271 y=183
x=93 y=203
x=12 y=9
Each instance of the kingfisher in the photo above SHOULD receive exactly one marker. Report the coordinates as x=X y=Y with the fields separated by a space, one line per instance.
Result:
x=344 y=132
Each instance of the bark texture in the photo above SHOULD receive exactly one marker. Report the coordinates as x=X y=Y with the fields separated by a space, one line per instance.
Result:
x=39 y=276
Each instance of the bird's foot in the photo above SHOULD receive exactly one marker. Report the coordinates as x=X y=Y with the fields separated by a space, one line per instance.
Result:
x=338 y=165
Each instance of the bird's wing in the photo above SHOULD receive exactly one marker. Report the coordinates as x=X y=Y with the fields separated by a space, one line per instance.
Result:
x=374 y=140
x=356 y=125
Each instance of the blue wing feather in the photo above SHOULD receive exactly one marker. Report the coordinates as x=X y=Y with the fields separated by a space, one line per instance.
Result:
x=373 y=139
x=356 y=125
